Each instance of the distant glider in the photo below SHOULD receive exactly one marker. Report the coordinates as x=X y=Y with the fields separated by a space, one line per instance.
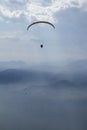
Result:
x=39 y=22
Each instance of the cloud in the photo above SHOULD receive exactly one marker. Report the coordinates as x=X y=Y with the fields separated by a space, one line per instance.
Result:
x=38 y=9
x=15 y=37
x=6 y=12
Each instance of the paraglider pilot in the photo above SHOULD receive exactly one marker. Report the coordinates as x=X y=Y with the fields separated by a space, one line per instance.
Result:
x=41 y=45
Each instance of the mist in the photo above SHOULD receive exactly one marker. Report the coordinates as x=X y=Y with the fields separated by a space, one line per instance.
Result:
x=35 y=99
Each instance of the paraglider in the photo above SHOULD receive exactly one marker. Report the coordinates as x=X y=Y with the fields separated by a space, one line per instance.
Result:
x=40 y=22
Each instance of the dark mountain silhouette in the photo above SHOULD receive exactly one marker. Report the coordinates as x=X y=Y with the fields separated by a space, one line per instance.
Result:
x=10 y=76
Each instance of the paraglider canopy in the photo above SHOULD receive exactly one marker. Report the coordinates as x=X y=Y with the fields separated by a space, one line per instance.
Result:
x=38 y=22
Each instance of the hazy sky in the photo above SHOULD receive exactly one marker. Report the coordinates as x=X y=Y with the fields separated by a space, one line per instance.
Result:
x=38 y=100
x=67 y=42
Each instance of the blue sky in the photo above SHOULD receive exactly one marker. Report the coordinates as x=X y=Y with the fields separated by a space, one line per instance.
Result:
x=66 y=43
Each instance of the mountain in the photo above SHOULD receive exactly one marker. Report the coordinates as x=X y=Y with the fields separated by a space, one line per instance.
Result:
x=74 y=75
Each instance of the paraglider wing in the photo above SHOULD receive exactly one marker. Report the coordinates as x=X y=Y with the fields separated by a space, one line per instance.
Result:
x=40 y=22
